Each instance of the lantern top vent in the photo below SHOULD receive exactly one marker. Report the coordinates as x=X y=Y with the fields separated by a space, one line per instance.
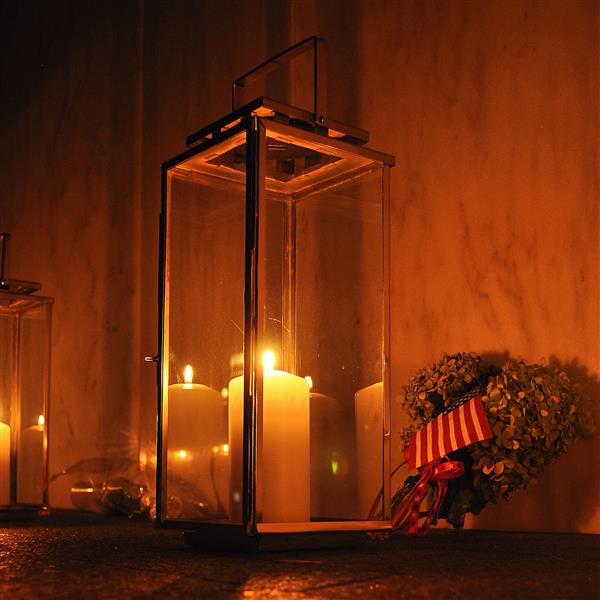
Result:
x=267 y=108
x=13 y=286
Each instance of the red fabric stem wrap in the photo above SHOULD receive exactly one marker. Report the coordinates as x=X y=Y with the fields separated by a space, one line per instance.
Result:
x=409 y=510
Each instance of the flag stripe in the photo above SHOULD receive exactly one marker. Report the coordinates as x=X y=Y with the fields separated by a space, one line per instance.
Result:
x=447 y=442
x=462 y=431
x=418 y=448
x=463 y=425
x=453 y=441
x=485 y=425
x=441 y=436
x=459 y=434
x=475 y=420
x=432 y=441
x=470 y=425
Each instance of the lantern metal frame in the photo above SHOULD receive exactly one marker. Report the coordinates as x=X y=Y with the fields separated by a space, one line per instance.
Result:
x=252 y=121
x=16 y=299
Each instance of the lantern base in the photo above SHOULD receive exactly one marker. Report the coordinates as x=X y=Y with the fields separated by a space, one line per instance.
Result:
x=278 y=542
x=23 y=513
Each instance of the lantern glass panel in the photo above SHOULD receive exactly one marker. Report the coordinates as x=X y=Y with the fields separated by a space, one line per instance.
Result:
x=33 y=350
x=204 y=338
x=321 y=318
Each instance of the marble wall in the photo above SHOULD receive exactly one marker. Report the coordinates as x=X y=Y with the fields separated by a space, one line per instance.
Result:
x=494 y=123
x=492 y=111
x=70 y=176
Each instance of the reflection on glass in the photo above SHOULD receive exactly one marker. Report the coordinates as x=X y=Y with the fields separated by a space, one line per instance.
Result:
x=369 y=448
x=205 y=329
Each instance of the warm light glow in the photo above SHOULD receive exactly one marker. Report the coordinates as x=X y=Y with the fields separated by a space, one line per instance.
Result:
x=188 y=374
x=224 y=393
x=182 y=454
x=41 y=421
x=309 y=380
x=268 y=361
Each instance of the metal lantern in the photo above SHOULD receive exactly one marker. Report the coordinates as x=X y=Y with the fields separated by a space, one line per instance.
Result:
x=274 y=407
x=24 y=395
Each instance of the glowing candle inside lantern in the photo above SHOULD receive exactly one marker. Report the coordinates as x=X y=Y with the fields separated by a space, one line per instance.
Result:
x=39 y=426
x=197 y=421
x=30 y=463
x=4 y=464
x=368 y=412
x=285 y=445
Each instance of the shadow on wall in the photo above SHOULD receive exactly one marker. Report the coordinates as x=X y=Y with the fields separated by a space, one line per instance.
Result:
x=567 y=495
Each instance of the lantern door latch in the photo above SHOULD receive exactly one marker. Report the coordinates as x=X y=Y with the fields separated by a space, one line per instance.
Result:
x=149 y=359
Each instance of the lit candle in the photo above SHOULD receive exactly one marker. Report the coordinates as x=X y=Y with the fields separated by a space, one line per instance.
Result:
x=30 y=463
x=4 y=464
x=368 y=413
x=285 y=445
x=197 y=422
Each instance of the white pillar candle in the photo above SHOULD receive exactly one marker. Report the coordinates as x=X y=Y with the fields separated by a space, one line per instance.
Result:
x=285 y=445
x=30 y=464
x=4 y=464
x=368 y=414
x=197 y=423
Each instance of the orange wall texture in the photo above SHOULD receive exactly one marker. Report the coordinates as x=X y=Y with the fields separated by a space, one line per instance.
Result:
x=491 y=109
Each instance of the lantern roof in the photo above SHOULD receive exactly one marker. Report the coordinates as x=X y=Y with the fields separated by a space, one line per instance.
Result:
x=278 y=111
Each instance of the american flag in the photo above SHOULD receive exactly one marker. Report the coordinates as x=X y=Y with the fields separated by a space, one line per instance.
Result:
x=451 y=431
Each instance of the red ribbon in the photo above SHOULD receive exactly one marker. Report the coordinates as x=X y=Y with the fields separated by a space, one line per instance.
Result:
x=435 y=474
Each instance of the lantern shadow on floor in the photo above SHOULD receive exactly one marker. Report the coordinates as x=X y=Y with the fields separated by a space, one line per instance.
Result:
x=73 y=554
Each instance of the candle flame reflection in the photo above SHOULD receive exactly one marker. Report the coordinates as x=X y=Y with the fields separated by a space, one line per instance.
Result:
x=335 y=465
x=309 y=380
x=41 y=421
x=223 y=449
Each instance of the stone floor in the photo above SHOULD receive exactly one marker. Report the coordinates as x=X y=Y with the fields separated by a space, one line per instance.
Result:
x=76 y=555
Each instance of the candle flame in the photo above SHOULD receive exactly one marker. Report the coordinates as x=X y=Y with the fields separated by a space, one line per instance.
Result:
x=188 y=375
x=268 y=361
x=309 y=380
x=41 y=421
x=222 y=449
x=335 y=465
x=182 y=454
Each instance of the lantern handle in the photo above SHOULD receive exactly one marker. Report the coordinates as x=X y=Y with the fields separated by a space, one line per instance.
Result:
x=4 y=236
x=317 y=45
